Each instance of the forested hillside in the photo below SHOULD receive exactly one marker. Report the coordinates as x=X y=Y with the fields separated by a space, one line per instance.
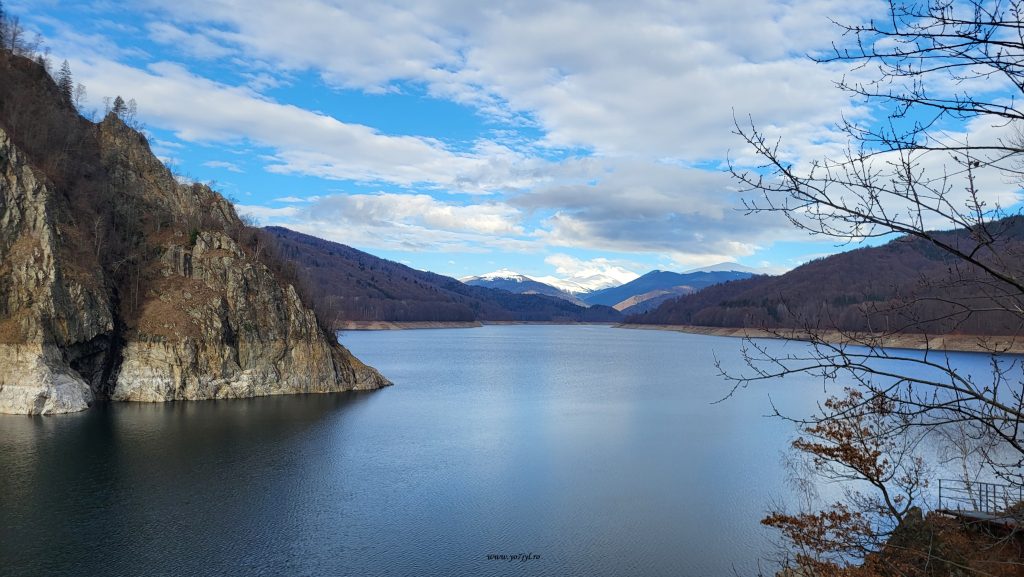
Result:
x=906 y=285
x=346 y=284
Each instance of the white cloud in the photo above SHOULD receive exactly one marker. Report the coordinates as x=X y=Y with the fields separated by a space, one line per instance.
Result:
x=645 y=207
x=197 y=45
x=941 y=178
x=229 y=166
x=407 y=222
x=420 y=210
x=305 y=142
x=264 y=213
x=650 y=77
x=647 y=89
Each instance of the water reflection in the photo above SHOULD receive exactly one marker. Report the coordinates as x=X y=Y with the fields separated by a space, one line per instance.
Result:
x=599 y=449
x=177 y=485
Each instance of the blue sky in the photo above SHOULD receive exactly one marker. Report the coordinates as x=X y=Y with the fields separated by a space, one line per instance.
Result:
x=559 y=139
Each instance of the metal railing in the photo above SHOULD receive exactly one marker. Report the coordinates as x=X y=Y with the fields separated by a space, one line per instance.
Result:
x=956 y=495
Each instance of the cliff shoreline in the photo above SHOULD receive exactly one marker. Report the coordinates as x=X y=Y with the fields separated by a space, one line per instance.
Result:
x=119 y=282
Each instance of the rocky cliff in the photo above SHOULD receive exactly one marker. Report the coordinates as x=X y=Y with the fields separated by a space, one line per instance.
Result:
x=118 y=282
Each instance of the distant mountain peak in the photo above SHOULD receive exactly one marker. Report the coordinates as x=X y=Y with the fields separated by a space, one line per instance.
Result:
x=726 y=267
x=500 y=274
x=660 y=284
x=512 y=281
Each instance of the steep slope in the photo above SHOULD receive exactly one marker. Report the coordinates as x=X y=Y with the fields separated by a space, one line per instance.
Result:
x=520 y=284
x=661 y=280
x=351 y=285
x=907 y=285
x=118 y=282
x=650 y=300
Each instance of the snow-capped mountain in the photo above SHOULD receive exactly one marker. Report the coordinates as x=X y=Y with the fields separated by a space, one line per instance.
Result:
x=581 y=285
x=519 y=283
x=636 y=293
x=501 y=274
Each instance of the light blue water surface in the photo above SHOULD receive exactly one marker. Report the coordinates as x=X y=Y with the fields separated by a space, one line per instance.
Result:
x=600 y=450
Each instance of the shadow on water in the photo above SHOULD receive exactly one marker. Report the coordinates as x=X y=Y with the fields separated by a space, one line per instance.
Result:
x=125 y=487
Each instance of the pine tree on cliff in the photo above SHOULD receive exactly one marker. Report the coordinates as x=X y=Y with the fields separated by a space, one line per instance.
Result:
x=119 y=108
x=65 y=83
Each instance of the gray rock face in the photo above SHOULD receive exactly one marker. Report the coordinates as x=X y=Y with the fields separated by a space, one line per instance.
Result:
x=46 y=305
x=220 y=326
x=34 y=379
x=203 y=318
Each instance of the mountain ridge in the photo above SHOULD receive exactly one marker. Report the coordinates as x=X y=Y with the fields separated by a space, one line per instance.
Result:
x=519 y=283
x=907 y=285
x=660 y=280
x=352 y=285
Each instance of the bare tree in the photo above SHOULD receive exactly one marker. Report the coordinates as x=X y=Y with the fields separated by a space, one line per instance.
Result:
x=887 y=185
x=949 y=75
x=3 y=25
x=78 y=97
x=14 y=35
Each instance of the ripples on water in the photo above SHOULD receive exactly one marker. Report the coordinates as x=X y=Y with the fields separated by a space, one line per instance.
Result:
x=600 y=450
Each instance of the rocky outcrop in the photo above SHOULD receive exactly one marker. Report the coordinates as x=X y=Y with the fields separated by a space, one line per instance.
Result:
x=119 y=282
x=35 y=379
x=47 y=305
x=217 y=325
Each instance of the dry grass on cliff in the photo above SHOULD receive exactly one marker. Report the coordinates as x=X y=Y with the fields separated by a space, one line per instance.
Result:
x=165 y=314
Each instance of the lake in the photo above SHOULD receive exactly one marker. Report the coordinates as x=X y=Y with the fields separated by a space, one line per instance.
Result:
x=587 y=450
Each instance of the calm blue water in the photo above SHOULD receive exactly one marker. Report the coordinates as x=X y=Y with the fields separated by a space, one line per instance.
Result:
x=597 y=449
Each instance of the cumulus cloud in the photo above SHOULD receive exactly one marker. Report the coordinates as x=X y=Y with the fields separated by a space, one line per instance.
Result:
x=358 y=45
x=266 y=214
x=654 y=77
x=228 y=166
x=945 y=180
x=406 y=222
x=304 y=142
x=691 y=215
x=421 y=210
x=632 y=105
x=198 y=45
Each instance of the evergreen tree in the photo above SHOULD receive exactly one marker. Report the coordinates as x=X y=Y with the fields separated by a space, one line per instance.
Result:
x=65 y=83
x=119 y=108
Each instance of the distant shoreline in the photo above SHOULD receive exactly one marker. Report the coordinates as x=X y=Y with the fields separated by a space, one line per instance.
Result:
x=914 y=341
x=401 y=326
x=416 y=325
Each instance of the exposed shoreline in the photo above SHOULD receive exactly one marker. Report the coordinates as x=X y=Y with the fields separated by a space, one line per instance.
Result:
x=952 y=343
x=401 y=326
x=915 y=341
x=416 y=325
